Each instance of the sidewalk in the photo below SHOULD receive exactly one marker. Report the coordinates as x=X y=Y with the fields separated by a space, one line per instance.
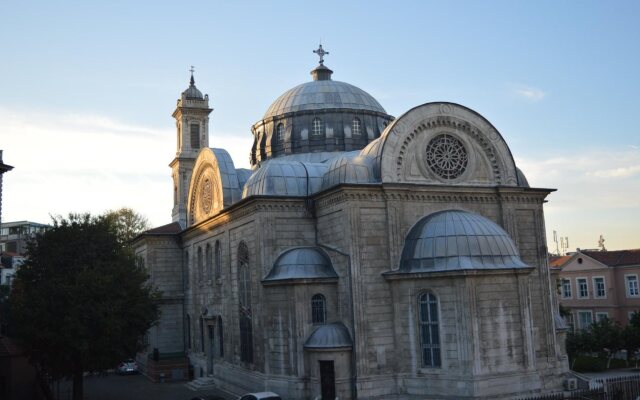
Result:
x=134 y=387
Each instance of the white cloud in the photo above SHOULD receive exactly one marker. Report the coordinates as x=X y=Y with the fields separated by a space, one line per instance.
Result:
x=620 y=172
x=528 y=93
x=75 y=163
x=598 y=192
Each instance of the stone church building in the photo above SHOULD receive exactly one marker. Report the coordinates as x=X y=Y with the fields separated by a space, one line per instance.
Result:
x=362 y=256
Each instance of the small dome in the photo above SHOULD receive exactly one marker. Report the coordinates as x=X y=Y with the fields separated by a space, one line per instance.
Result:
x=458 y=240
x=192 y=92
x=349 y=168
x=285 y=178
x=522 y=179
x=302 y=263
x=330 y=336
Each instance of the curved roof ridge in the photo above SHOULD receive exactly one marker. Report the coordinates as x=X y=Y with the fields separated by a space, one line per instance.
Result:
x=329 y=336
x=442 y=242
x=323 y=94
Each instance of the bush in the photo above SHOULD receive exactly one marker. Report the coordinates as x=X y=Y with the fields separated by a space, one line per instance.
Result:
x=589 y=364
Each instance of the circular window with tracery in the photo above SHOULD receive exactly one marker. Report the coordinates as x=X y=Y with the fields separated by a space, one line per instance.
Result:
x=447 y=157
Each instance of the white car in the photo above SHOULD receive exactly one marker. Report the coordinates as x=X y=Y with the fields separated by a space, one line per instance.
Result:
x=260 y=396
x=127 y=367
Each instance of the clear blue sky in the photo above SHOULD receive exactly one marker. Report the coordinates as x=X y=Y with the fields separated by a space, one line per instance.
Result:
x=87 y=89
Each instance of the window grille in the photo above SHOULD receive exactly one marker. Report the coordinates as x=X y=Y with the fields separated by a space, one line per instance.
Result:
x=317 y=128
x=280 y=134
x=566 y=288
x=218 y=261
x=429 y=333
x=195 y=136
x=200 y=265
x=318 y=310
x=355 y=127
x=244 y=301
x=209 y=256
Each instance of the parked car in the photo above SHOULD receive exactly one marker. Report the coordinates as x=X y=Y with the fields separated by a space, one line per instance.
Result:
x=260 y=396
x=127 y=367
x=208 y=397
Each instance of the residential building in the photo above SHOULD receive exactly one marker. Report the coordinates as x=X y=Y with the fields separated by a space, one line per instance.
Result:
x=595 y=284
x=14 y=236
x=3 y=168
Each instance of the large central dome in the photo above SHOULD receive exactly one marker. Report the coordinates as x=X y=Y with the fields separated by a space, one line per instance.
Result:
x=318 y=116
x=322 y=95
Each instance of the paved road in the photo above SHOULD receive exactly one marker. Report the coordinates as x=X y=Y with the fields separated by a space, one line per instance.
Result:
x=133 y=387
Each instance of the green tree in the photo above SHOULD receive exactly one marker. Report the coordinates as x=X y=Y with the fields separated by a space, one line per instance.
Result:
x=631 y=336
x=80 y=302
x=127 y=223
x=577 y=343
x=607 y=337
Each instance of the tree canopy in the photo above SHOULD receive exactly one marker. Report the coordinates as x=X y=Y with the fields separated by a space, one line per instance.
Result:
x=127 y=223
x=80 y=301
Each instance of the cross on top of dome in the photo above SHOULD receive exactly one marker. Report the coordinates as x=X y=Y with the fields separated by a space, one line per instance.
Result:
x=320 y=52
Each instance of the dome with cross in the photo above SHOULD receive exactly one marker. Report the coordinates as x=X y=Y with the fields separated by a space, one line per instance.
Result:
x=318 y=116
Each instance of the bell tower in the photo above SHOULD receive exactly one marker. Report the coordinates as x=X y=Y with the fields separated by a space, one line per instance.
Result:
x=192 y=129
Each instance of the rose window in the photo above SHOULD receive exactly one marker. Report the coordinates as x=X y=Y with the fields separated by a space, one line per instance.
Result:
x=447 y=157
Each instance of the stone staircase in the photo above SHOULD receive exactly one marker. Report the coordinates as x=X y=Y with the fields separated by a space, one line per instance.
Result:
x=203 y=383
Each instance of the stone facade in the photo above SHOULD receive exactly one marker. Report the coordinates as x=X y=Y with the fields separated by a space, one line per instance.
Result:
x=490 y=330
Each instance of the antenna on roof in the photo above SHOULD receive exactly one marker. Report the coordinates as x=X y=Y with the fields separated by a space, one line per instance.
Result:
x=555 y=239
x=601 y=243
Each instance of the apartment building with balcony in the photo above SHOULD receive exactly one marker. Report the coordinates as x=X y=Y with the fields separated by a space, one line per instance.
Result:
x=14 y=237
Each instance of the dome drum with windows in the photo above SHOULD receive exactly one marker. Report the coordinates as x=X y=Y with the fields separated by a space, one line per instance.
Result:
x=318 y=116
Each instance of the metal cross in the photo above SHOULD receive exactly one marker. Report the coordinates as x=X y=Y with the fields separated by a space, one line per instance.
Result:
x=192 y=81
x=192 y=69
x=320 y=52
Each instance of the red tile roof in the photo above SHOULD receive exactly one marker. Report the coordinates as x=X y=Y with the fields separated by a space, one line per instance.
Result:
x=171 y=228
x=615 y=258
x=558 y=261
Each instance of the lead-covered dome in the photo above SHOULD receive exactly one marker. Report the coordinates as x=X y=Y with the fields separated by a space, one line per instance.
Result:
x=192 y=92
x=318 y=116
x=458 y=240
x=323 y=95
x=301 y=264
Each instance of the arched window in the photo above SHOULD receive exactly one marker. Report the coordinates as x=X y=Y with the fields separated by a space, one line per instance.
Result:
x=356 y=129
x=318 y=309
x=185 y=270
x=429 y=333
x=317 y=127
x=220 y=337
x=201 y=320
x=218 y=260
x=188 y=323
x=280 y=133
x=209 y=256
x=195 y=136
x=200 y=265
x=244 y=302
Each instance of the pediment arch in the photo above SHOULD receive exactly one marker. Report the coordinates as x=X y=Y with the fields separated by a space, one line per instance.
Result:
x=214 y=185
x=445 y=143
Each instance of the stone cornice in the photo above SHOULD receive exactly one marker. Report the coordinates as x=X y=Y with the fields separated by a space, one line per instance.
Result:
x=248 y=207
x=430 y=193
x=399 y=275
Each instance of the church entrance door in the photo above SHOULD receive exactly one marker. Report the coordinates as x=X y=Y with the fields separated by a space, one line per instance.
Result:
x=327 y=380
x=210 y=350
